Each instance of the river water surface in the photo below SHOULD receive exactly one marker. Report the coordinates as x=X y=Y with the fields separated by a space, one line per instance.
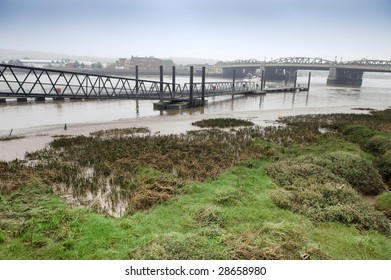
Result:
x=374 y=93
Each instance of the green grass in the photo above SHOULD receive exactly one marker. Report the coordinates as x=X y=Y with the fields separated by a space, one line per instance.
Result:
x=195 y=225
x=208 y=194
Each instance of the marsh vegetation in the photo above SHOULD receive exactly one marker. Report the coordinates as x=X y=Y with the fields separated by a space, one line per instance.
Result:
x=293 y=191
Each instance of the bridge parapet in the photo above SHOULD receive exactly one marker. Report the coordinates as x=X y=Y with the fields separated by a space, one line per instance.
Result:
x=300 y=60
x=369 y=62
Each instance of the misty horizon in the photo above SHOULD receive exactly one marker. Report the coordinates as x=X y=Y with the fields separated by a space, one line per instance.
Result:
x=216 y=30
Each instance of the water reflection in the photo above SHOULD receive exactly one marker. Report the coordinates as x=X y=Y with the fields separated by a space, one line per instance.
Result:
x=374 y=92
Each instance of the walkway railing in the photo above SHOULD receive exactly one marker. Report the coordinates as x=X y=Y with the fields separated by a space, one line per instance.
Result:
x=22 y=81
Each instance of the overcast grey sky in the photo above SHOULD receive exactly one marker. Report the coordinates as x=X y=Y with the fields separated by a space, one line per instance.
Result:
x=216 y=29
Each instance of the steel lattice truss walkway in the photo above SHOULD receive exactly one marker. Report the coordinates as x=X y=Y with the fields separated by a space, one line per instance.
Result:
x=22 y=81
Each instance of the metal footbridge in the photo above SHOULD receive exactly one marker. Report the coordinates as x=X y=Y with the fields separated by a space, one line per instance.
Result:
x=23 y=82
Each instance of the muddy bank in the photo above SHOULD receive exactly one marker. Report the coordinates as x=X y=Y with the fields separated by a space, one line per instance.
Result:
x=36 y=138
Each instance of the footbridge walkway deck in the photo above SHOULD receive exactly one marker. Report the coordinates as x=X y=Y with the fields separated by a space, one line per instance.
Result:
x=23 y=82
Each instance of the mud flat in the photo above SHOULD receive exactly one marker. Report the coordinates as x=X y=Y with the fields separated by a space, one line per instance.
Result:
x=38 y=137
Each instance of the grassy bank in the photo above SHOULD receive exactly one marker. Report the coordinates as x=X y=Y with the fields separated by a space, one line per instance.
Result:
x=293 y=192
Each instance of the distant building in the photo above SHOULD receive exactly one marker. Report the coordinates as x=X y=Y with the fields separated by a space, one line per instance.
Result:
x=42 y=63
x=144 y=63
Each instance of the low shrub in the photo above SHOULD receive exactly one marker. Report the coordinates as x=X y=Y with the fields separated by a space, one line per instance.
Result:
x=357 y=133
x=383 y=165
x=383 y=203
x=328 y=203
x=2 y=238
x=378 y=145
x=318 y=188
x=298 y=172
x=359 y=172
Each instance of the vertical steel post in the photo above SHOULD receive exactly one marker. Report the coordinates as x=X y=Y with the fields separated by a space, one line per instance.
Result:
x=173 y=78
x=136 y=78
x=99 y=89
x=309 y=81
x=262 y=78
x=203 y=86
x=161 y=79
x=233 y=80
x=294 y=84
x=86 y=85
x=191 y=85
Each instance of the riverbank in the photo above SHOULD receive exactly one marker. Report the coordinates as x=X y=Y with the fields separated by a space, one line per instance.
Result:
x=36 y=138
x=289 y=192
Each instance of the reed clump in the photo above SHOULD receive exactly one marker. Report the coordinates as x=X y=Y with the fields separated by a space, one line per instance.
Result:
x=11 y=137
x=222 y=123
x=14 y=175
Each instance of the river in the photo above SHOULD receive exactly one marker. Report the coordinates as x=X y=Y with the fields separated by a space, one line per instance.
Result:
x=375 y=92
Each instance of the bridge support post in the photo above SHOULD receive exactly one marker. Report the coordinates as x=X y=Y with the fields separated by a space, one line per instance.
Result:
x=309 y=81
x=161 y=79
x=295 y=79
x=233 y=80
x=173 y=78
x=262 y=79
x=344 y=77
x=136 y=78
x=191 y=86
x=203 y=86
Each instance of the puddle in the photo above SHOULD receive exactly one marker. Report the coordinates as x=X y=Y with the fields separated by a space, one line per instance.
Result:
x=103 y=198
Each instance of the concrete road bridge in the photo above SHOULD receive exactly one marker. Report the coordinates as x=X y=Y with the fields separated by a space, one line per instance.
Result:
x=346 y=73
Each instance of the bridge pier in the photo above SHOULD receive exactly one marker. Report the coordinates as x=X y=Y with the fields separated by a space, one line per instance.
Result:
x=279 y=74
x=344 y=77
